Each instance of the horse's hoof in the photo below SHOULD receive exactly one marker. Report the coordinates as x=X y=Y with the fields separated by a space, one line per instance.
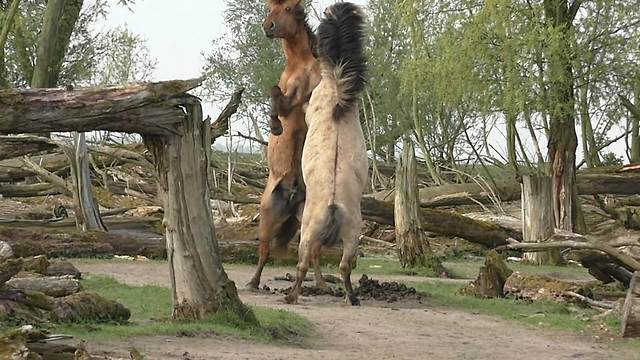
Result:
x=291 y=299
x=354 y=300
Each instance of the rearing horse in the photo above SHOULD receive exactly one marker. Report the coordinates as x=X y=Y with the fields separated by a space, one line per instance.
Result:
x=283 y=197
x=334 y=160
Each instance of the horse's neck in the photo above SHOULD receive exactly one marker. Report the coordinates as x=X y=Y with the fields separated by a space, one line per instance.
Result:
x=298 y=49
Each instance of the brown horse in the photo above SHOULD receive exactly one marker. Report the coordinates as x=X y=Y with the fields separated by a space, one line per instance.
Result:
x=334 y=159
x=283 y=197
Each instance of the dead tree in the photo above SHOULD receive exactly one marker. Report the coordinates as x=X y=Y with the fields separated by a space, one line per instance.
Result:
x=537 y=217
x=413 y=247
x=171 y=123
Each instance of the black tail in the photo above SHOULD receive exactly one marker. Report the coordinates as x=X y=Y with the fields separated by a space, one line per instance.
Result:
x=331 y=232
x=340 y=43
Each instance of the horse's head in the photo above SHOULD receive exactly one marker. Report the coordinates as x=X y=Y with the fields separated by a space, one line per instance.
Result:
x=284 y=19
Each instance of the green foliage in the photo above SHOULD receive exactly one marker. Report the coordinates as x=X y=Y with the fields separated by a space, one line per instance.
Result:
x=127 y=59
x=88 y=51
x=151 y=306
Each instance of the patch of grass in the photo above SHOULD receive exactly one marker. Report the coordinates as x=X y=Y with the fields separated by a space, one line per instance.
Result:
x=151 y=306
x=547 y=314
x=382 y=266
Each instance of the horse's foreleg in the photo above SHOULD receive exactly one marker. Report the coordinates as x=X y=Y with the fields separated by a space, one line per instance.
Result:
x=350 y=249
x=275 y=125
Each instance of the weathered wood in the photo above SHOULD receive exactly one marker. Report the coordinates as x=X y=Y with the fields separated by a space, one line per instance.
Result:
x=62 y=268
x=151 y=108
x=49 y=285
x=86 y=307
x=609 y=181
x=87 y=213
x=491 y=278
x=59 y=183
x=537 y=217
x=441 y=222
x=534 y=287
x=15 y=146
x=413 y=247
x=221 y=125
x=199 y=283
x=567 y=240
x=8 y=268
x=28 y=190
x=630 y=326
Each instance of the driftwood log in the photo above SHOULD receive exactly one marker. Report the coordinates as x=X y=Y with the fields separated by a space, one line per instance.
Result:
x=53 y=286
x=631 y=309
x=16 y=146
x=119 y=109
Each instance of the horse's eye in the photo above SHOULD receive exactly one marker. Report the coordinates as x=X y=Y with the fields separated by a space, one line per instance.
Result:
x=288 y=8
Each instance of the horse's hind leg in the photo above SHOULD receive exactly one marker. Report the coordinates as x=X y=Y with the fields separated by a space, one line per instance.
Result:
x=315 y=258
x=350 y=249
x=266 y=232
x=272 y=215
x=304 y=254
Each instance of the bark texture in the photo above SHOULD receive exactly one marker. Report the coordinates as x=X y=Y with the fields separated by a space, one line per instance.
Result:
x=200 y=284
x=537 y=217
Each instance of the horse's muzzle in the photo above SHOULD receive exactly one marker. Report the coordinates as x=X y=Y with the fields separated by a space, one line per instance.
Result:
x=270 y=31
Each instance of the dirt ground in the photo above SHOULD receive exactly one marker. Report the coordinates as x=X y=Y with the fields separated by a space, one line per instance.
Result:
x=372 y=331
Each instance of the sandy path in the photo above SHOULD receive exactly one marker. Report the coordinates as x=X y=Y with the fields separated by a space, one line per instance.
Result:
x=365 y=332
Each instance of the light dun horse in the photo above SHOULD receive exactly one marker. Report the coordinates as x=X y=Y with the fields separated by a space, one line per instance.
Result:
x=334 y=159
x=284 y=194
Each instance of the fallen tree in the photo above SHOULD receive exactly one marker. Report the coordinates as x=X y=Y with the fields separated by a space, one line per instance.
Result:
x=606 y=181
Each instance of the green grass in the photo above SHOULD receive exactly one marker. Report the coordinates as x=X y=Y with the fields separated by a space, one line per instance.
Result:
x=151 y=306
x=547 y=314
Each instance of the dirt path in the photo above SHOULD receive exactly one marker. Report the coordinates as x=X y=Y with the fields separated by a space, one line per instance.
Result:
x=365 y=332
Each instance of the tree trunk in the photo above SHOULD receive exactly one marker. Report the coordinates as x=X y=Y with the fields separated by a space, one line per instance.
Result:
x=563 y=140
x=413 y=247
x=47 y=44
x=199 y=283
x=511 y=141
x=87 y=213
x=70 y=16
x=4 y=33
x=537 y=217
x=631 y=310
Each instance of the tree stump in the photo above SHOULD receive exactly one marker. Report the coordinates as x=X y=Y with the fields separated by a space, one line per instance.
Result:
x=631 y=309
x=199 y=283
x=413 y=246
x=491 y=278
x=538 y=217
